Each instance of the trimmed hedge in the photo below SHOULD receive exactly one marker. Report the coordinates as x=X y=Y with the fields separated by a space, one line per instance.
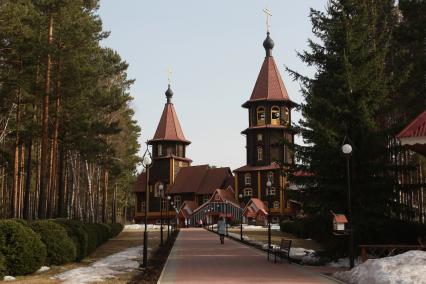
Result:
x=22 y=248
x=59 y=247
x=92 y=237
x=116 y=229
x=2 y=266
x=103 y=233
x=75 y=230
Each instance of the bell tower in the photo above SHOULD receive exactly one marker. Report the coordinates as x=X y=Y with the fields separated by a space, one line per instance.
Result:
x=268 y=137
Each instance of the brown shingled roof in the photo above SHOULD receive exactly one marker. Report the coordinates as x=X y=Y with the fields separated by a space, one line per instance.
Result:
x=269 y=84
x=169 y=128
x=140 y=184
x=248 y=168
x=200 y=179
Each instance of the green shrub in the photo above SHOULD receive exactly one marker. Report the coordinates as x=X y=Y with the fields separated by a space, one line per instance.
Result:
x=59 y=247
x=20 y=221
x=22 y=248
x=2 y=266
x=75 y=230
x=116 y=229
x=103 y=233
x=92 y=237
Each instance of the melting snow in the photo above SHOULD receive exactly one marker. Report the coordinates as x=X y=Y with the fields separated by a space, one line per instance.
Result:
x=9 y=278
x=142 y=227
x=104 y=268
x=43 y=269
x=406 y=268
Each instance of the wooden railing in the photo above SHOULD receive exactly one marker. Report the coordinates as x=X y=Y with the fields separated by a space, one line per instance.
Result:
x=378 y=251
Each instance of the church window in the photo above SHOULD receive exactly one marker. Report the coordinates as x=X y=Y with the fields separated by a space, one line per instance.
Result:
x=247 y=179
x=271 y=177
x=248 y=192
x=177 y=201
x=259 y=137
x=164 y=204
x=276 y=204
x=271 y=191
x=142 y=206
x=275 y=115
x=160 y=150
x=157 y=191
x=259 y=154
x=260 y=116
x=286 y=116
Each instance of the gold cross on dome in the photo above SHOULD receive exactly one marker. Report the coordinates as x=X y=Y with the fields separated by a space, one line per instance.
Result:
x=268 y=14
x=169 y=75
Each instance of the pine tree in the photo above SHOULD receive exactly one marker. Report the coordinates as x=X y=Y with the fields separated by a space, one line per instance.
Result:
x=349 y=100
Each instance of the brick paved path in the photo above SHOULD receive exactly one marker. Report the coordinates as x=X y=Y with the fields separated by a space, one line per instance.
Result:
x=198 y=257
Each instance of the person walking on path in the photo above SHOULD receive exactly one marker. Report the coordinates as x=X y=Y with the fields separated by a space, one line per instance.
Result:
x=221 y=229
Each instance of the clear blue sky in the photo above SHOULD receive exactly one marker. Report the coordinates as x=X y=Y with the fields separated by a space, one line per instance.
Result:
x=215 y=50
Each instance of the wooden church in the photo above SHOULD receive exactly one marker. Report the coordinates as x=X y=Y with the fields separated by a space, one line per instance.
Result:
x=191 y=188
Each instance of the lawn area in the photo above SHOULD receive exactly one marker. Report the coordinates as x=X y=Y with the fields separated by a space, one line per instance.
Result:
x=261 y=235
x=126 y=239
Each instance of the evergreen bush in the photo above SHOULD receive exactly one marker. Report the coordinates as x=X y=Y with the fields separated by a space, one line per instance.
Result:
x=92 y=237
x=116 y=229
x=2 y=266
x=59 y=247
x=75 y=230
x=22 y=248
x=20 y=221
x=103 y=233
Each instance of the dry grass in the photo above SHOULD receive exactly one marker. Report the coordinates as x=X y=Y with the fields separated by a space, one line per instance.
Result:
x=124 y=240
x=262 y=236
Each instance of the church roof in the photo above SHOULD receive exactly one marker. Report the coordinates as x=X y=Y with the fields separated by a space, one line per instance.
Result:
x=200 y=179
x=416 y=128
x=169 y=128
x=248 y=168
x=269 y=84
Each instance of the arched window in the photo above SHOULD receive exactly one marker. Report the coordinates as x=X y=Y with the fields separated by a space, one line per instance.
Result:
x=286 y=116
x=157 y=191
x=276 y=204
x=177 y=201
x=260 y=112
x=271 y=177
x=247 y=179
x=259 y=154
x=259 y=137
x=275 y=115
x=248 y=191
x=160 y=150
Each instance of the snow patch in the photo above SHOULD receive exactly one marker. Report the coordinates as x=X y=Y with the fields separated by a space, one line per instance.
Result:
x=105 y=268
x=43 y=269
x=9 y=278
x=142 y=227
x=344 y=263
x=406 y=268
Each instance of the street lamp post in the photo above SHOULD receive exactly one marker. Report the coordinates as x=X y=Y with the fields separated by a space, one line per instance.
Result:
x=268 y=193
x=146 y=162
x=241 y=219
x=168 y=216
x=161 y=188
x=347 y=151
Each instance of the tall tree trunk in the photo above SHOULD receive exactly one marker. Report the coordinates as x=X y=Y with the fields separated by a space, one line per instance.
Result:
x=27 y=215
x=21 y=180
x=15 y=185
x=61 y=183
x=45 y=128
x=114 y=205
x=105 y=196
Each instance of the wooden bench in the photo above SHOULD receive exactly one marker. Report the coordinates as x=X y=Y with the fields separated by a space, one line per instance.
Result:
x=283 y=251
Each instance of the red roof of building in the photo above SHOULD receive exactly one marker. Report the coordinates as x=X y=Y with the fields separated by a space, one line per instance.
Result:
x=269 y=84
x=254 y=207
x=248 y=168
x=140 y=184
x=169 y=128
x=188 y=206
x=416 y=128
x=200 y=179
x=340 y=218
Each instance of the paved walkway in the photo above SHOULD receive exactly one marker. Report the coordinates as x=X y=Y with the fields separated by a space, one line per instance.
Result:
x=198 y=257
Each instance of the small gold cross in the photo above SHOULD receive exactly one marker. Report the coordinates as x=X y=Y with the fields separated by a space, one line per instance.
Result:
x=268 y=14
x=169 y=75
